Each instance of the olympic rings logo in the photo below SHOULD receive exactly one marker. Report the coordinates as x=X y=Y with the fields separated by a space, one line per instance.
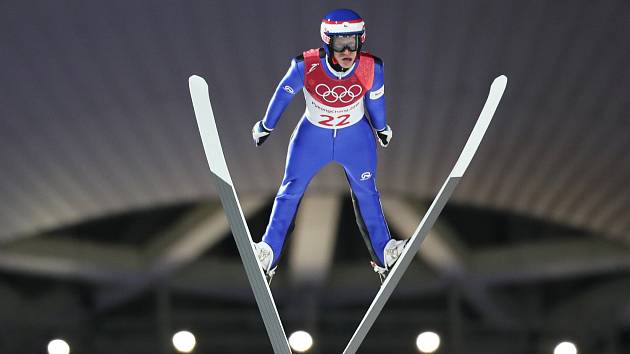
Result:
x=339 y=93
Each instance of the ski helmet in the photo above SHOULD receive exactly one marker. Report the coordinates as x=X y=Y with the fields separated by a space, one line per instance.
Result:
x=342 y=22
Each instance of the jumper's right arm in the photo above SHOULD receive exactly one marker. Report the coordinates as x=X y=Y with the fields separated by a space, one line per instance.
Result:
x=291 y=83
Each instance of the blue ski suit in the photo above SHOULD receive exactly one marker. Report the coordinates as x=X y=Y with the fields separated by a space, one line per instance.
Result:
x=314 y=143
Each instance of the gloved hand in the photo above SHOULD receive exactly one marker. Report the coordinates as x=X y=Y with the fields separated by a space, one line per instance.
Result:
x=384 y=135
x=260 y=133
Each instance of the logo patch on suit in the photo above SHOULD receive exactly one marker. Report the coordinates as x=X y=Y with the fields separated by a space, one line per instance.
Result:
x=374 y=95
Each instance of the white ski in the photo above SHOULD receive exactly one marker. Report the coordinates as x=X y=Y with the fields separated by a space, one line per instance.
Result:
x=413 y=245
x=238 y=224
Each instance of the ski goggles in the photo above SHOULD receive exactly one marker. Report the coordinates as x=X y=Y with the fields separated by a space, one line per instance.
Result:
x=341 y=43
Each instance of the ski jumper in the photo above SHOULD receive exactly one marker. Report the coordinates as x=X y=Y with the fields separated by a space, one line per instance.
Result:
x=334 y=128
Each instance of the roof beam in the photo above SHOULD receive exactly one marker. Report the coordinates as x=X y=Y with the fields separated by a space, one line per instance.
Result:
x=311 y=256
x=442 y=251
x=313 y=240
x=185 y=241
x=71 y=258
x=559 y=258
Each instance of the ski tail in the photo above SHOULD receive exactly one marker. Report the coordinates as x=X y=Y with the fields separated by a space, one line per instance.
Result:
x=229 y=200
x=387 y=288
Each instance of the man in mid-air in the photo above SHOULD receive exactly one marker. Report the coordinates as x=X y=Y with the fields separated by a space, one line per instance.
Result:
x=340 y=83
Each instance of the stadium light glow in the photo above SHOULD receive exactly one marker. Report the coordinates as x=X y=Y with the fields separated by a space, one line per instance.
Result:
x=301 y=341
x=58 y=346
x=184 y=341
x=565 y=348
x=428 y=342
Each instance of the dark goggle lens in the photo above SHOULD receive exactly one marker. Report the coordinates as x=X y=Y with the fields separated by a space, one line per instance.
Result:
x=341 y=43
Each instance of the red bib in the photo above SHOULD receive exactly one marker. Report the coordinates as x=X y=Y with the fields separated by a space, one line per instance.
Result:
x=337 y=92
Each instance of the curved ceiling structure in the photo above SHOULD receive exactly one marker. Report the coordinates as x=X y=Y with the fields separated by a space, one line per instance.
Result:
x=97 y=118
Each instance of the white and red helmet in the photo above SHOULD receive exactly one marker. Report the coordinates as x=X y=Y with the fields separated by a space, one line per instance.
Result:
x=342 y=22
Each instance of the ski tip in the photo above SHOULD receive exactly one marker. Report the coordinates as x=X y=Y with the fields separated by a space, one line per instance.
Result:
x=500 y=80
x=499 y=84
x=197 y=80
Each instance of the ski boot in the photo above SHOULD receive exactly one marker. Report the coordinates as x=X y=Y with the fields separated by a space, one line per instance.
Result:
x=393 y=250
x=264 y=255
